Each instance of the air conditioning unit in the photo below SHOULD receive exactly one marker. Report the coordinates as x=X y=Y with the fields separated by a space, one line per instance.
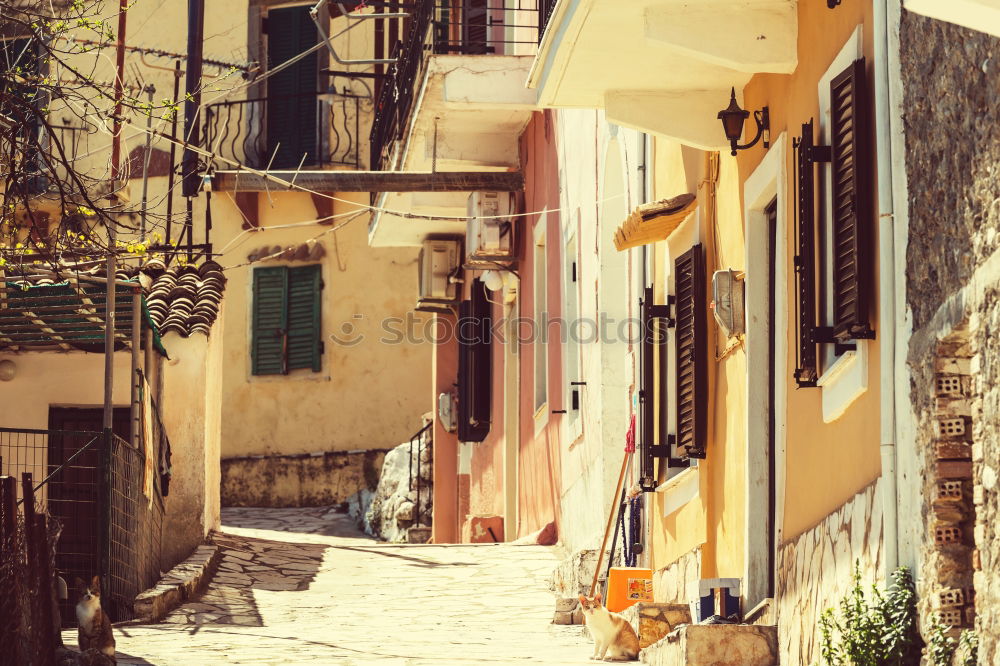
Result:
x=439 y=264
x=490 y=232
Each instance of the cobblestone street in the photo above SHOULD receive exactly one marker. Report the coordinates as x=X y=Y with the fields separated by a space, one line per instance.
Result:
x=300 y=586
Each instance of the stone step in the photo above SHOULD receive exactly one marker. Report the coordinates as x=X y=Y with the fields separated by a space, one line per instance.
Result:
x=715 y=645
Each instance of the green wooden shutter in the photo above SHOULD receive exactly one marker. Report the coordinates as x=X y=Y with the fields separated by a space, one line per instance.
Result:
x=270 y=320
x=304 y=344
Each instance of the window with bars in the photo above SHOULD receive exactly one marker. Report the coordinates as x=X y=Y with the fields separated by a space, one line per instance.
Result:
x=834 y=302
x=286 y=325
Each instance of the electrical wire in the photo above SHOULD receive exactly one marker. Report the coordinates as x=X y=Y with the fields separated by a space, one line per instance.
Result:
x=291 y=185
x=275 y=255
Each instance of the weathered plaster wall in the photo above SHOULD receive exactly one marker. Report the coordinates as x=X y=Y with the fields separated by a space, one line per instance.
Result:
x=950 y=75
x=816 y=569
x=370 y=392
x=601 y=174
x=446 y=527
x=191 y=419
x=300 y=480
x=539 y=456
x=45 y=379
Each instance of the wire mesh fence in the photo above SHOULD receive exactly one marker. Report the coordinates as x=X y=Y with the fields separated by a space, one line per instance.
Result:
x=30 y=630
x=103 y=499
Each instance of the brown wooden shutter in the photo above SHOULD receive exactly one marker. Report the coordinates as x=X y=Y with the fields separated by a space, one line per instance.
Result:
x=475 y=359
x=806 y=367
x=654 y=440
x=692 y=360
x=851 y=222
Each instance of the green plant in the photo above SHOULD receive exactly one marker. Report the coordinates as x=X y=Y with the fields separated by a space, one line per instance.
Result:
x=875 y=630
x=942 y=648
x=968 y=646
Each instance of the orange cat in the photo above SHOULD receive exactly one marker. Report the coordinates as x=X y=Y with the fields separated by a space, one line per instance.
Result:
x=614 y=638
x=94 y=631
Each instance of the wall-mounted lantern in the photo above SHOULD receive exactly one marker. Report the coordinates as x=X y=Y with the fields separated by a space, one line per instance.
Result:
x=733 y=118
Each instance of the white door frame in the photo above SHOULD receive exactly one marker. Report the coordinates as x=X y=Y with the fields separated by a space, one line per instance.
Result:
x=767 y=183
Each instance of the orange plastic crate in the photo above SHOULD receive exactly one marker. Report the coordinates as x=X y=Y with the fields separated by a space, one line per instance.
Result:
x=627 y=585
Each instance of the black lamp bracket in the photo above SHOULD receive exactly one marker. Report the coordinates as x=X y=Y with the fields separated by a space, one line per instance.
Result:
x=763 y=120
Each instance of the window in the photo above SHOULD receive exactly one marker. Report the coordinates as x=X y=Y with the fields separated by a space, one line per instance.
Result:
x=286 y=319
x=22 y=102
x=834 y=301
x=539 y=268
x=475 y=376
x=690 y=365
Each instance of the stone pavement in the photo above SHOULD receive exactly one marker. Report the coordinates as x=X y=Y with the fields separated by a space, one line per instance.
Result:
x=303 y=586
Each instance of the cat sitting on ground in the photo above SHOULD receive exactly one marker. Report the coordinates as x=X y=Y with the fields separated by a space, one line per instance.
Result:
x=614 y=638
x=94 y=631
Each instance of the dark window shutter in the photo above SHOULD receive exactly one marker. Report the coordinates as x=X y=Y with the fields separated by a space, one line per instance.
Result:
x=292 y=119
x=646 y=412
x=304 y=316
x=851 y=220
x=692 y=360
x=475 y=26
x=267 y=353
x=475 y=374
x=806 y=370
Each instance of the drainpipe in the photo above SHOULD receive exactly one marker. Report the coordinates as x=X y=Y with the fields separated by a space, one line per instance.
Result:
x=887 y=286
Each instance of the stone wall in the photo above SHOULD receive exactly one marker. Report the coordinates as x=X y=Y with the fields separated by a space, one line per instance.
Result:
x=815 y=571
x=574 y=574
x=944 y=448
x=318 y=479
x=952 y=122
x=678 y=583
x=396 y=508
x=986 y=467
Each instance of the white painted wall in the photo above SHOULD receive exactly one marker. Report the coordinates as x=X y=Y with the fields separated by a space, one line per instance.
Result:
x=599 y=182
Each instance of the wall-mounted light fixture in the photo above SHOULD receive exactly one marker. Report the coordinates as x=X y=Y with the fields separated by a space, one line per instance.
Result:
x=733 y=118
x=8 y=370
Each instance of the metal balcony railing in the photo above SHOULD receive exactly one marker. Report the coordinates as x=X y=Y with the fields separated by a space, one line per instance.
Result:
x=469 y=27
x=311 y=130
x=545 y=8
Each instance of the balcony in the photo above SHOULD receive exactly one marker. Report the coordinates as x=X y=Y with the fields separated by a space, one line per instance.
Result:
x=316 y=130
x=454 y=100
x=665 y=66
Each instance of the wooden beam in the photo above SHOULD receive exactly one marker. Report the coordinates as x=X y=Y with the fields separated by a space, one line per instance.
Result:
x=368 y=181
